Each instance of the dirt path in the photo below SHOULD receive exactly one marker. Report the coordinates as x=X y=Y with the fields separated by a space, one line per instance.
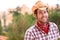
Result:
x=3 y=38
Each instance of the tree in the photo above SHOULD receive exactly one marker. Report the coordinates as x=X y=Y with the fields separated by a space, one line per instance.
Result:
x=0 y=28
x=55 y=17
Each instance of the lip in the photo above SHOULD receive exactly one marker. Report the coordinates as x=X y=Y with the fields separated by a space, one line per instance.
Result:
x=44 y=19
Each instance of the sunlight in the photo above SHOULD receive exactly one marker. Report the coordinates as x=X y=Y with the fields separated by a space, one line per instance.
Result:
x=5 y=4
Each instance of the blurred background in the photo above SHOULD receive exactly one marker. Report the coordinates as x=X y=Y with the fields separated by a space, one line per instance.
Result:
x=16 y=16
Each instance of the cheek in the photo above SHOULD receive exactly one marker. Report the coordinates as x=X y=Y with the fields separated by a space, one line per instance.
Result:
x=39 y=16
x=46 y=15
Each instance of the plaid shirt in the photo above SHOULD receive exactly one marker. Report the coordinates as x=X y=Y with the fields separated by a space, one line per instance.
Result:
x=33 y=33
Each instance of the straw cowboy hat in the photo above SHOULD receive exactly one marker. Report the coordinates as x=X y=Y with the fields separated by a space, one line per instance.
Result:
x=39 y=5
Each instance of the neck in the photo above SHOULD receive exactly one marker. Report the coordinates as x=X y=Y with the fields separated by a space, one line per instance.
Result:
x=43 y=23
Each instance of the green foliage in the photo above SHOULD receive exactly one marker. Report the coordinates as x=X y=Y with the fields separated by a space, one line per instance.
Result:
x=15 y=13
x=30 y=20
x=17 y=29
x=14 y=33
x=16 y=16
x=55 y=17
x=0 y=28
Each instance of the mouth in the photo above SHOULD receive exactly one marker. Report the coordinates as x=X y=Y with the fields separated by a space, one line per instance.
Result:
x=44 y=19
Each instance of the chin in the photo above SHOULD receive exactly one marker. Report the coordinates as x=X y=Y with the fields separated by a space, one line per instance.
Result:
x=44 y=21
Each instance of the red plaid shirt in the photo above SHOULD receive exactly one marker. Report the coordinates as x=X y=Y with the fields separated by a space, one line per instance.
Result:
x=33 y=33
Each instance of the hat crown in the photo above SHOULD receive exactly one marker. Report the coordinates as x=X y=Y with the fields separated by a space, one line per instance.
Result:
x=38 y=5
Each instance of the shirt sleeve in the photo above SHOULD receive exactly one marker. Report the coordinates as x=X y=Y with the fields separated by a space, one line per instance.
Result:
x=57 y=30
x=28 y=36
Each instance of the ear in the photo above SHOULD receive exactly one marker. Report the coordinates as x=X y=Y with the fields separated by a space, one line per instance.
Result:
x=35 y=15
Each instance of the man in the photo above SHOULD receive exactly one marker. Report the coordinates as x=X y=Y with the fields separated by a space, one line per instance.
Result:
x=43 y=29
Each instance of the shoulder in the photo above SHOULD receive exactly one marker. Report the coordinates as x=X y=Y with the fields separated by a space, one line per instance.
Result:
x=52 y=24
x=55 y=29
x=29 y=31
x=30 y=28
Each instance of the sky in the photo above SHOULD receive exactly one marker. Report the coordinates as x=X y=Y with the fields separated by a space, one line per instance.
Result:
x=5 y=4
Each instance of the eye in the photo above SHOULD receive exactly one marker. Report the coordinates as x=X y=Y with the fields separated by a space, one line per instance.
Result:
x=45 y=11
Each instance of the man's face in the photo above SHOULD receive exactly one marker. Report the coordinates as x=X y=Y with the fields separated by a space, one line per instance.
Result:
x=42 y=15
